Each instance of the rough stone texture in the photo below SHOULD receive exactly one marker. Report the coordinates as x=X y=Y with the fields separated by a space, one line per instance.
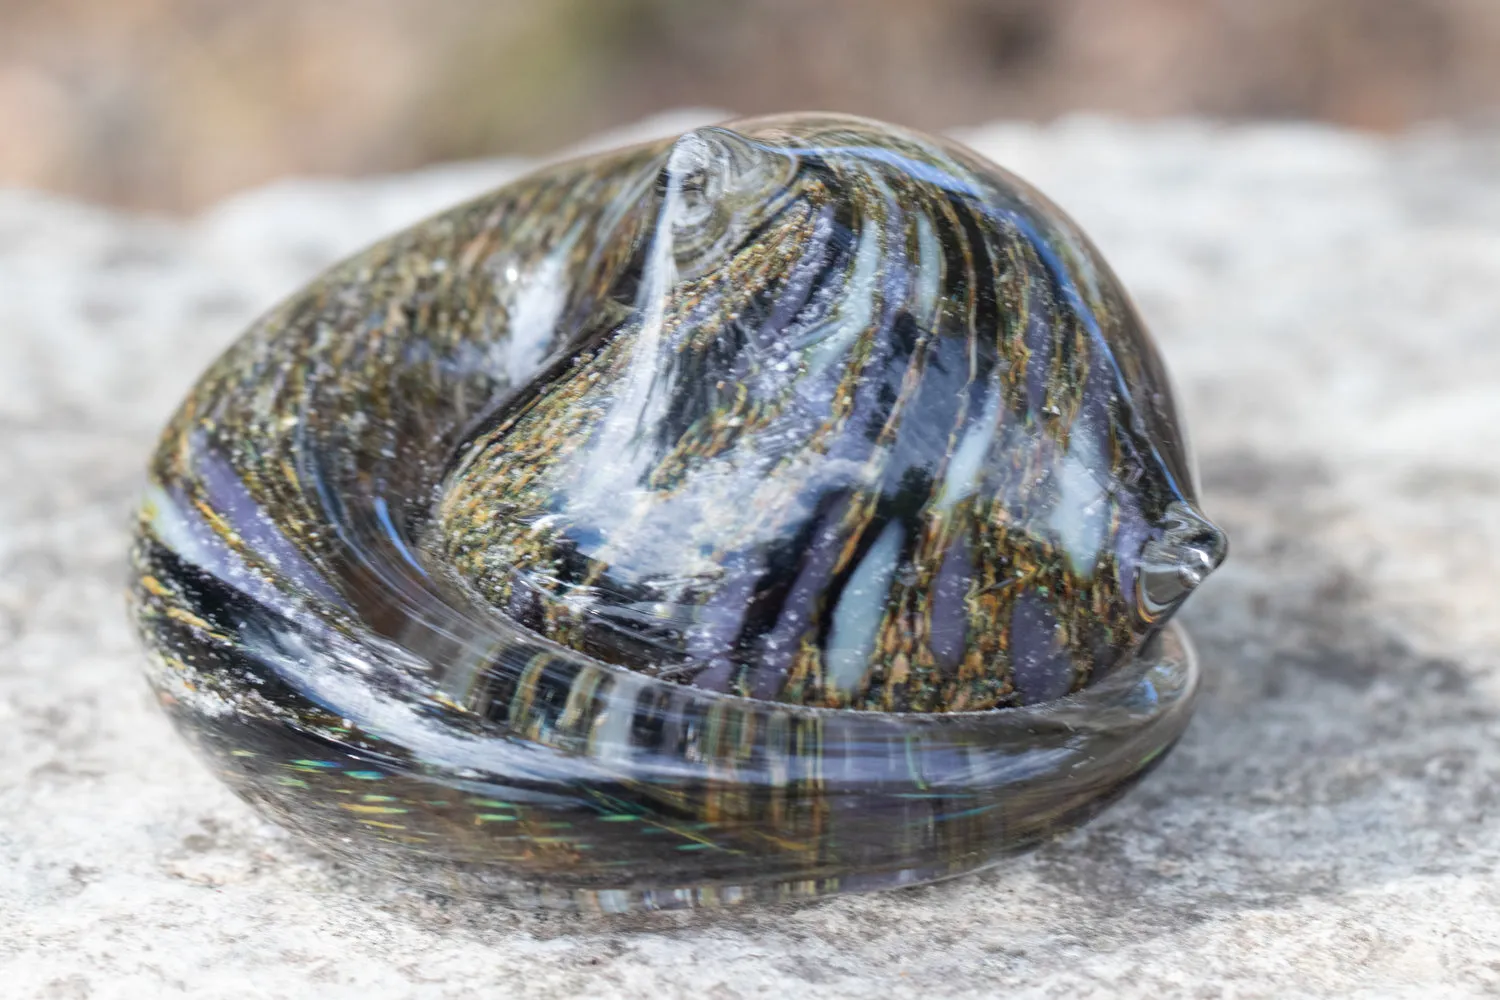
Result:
x=1329 y=304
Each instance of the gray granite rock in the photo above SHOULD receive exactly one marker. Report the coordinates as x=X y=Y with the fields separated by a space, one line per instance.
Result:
x=1330 y=304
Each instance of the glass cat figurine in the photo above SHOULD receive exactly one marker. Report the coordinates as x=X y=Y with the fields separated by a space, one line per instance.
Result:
x=794 y=507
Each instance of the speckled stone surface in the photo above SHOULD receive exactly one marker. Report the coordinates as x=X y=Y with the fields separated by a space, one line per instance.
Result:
x=1328 y=827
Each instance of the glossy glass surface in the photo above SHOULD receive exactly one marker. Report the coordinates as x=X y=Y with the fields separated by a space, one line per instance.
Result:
x=794 y=507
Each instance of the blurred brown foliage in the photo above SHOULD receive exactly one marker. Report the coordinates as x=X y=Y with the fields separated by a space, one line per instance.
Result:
x=169 y=104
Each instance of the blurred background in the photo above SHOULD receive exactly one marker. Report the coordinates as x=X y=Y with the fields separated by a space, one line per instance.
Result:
x=168 y=105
